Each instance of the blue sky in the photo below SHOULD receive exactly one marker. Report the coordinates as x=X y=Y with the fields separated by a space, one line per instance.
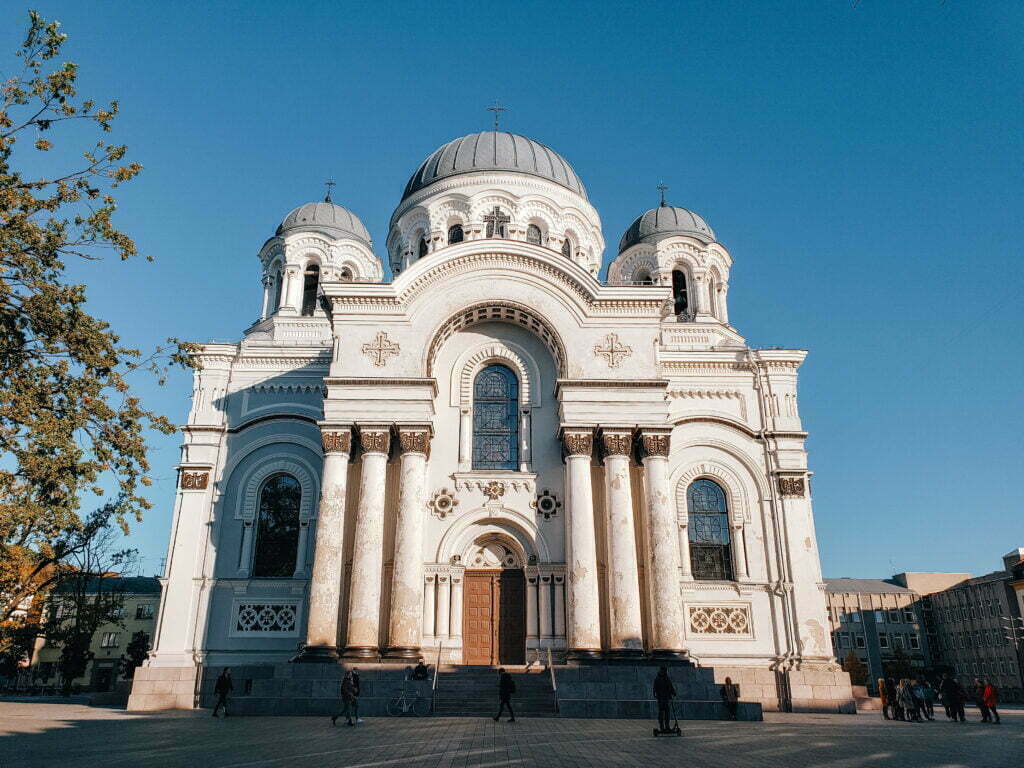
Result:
x=863 y=164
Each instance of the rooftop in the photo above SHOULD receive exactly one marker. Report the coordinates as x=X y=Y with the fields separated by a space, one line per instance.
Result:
x=869 y=586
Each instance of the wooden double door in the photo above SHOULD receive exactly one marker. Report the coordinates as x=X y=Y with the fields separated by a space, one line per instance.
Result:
x=494 y=617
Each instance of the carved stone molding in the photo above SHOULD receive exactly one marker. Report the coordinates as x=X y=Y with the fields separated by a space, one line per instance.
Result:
x=193 y=481
x=381 y=349
x=613 y=352
x=337 y=442
x=792 y=487
x=517 y=483
x=414 y=440
x=719 y=620
x=656 y=443
x=442 y=503
x=494 y=490
x=578 y=443
x=375 y=439
x=546 y=504
x=616 y=443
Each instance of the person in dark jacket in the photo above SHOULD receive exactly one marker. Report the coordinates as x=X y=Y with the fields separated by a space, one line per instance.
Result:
x=349 y=703
x=422 y=672
x=730 y=696
x=222 y=688
x=953 y=697
x=664 y=692
x=978 y=694
x=893 y=698
x=506 y=687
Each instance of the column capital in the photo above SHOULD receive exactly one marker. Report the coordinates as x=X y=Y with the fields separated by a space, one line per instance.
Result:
x=336 y=439
x=616 y=442
x=655 y=442
x=578 y=441
x=375 y=438
x=414 y=438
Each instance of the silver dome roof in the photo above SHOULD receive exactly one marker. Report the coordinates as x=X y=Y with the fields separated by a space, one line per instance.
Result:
x=325 y=217
x=666 y=220
x=494 y=151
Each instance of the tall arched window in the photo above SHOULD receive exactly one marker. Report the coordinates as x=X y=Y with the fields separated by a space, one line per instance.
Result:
x=277 y=532
x=345 y=275
x=455 y=234
x=710 y=553
x=533 y=234
x=682 y=301
x=643 y=277
x=567 y=248
x=423 y=247
x=310 y=284
x=496 y=419
x=278 y=280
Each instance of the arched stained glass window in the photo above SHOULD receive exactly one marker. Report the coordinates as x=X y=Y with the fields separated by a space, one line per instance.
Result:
x=533 y=234
x=682 y=302
x=567 y=248
x=455 y=234
x=278 y=280
x=710 y=553
x=423 y=247
x=310 y=284
x=496 y=419
x=277 y=532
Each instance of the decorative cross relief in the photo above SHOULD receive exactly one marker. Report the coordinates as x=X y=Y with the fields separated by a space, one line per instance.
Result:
x=381 y=349
x=442 y=503
x=614 y=352
x=546 y=504
x=194 y=481
x=494 y=490
x=791 y=486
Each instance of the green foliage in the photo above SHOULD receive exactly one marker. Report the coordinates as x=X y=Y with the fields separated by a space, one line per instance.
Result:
x=858 y=672
x=135 y=654
x=900 y=665
x=68 y=423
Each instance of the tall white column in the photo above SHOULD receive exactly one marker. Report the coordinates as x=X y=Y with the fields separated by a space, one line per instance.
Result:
x=406 y=622
x=584 y=612
x=663 y=545
x=546 y=627
x=291 y=301
x=739 y=552
x=444 y=605
x=368 y=546
x=325 y=586
x=684 y=551
x=429 y=584
x=525 y=457
x=626 y=629
x=465 y=439
x=532 y=626
x=267 y=283
x=455 y=628
x=559 y=606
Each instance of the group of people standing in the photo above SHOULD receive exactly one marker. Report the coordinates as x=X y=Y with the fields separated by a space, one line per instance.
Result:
x=914 y=701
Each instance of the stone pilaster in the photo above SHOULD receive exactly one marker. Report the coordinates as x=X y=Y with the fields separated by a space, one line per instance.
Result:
x=663 y=545
x=406 y=624
x=368 y=546
x=583 y=609
x=626 y=628
x=325 y=586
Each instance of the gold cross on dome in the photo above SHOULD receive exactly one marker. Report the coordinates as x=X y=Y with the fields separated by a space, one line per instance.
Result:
x=381 y=349
x=614 y=352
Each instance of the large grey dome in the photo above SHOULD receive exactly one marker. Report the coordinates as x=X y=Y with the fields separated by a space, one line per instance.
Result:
x=494 y=151
x=666 y=220
x=327 y=218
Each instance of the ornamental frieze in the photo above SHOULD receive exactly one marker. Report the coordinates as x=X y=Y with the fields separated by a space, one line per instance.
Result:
x=617 y=443
x=578 y=443
x=375 y=440
x=792 y=486
x=193 y=481
x=655 y=444
x=719 y=620
x=337 y=442
x=413 y=441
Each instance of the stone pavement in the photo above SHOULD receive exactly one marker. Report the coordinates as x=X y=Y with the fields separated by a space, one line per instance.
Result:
x=47 y=734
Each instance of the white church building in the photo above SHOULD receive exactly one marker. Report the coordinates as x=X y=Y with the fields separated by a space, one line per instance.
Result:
x=494 y=453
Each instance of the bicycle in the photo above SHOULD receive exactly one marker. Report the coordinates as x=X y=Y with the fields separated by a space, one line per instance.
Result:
x=406 y=703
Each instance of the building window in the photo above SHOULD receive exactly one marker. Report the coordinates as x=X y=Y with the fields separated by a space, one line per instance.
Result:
x=908 y=615
x=855 y=617
x=894 y=617
x=533 y=234
x=567 y=248
x=897 y=641
x=879 y=617
x=277 y=534
x=345 y=275
x=310 y=285
x=278 y=283
x=496 y=419
x=883 y=640
x=455 y=234
x=859 y=640
x=109 y=640
x=710 y=553
x=679 y=292
x=844 y=640
x=423 y=248
x=915 y=642
x=144 y=611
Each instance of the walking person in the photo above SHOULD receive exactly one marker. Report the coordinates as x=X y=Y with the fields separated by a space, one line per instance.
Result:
x=953 y=697
x=222 y=688
x=990 y=696
x=905 y=694
x=882 y=695
x=664 y=692
x=928 y=696
x=978 y=694
x=730 y=693
x=506 y=687
x=349 y=703
x=896 y=711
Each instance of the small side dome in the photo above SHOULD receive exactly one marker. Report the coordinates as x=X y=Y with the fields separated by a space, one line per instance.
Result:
x=666 y=220
x=327 y=218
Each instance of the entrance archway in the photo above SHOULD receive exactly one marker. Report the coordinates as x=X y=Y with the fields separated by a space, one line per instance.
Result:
x=494 y=603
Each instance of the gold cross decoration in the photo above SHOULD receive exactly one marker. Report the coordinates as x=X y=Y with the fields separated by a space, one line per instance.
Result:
x=381 y=349
x=614 y=352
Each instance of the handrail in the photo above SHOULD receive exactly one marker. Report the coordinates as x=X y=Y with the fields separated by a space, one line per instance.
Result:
x=554 y=682
x=433 y=686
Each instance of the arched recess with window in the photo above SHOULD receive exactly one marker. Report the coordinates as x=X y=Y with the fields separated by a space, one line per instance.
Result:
x=709 y=526
x=310 y=288
x=277 y=276
x=455 y=234
x=681 y=292
x=496 y=419
x=423 y=248
x=534 y=234
x=277 y=529
x=567 y=247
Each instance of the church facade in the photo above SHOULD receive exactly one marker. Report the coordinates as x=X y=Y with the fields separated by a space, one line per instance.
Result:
x=495 y=455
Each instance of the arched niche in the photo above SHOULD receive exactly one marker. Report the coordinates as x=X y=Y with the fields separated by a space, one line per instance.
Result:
x=486 y=521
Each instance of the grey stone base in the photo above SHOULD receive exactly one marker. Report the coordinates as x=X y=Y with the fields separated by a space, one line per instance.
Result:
x=648 y=709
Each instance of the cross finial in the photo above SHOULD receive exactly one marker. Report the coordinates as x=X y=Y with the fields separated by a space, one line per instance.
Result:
x=662 y=188
x=328 y=184
x=497 y=109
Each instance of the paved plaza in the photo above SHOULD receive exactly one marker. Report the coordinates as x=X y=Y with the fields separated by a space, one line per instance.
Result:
x=34 y=735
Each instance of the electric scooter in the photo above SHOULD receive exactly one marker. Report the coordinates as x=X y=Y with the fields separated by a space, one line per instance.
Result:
x=675 y=730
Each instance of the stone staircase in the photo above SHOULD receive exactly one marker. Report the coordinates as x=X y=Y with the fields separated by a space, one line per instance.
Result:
x=473 y=692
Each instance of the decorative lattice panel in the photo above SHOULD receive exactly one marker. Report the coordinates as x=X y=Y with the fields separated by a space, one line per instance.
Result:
x=266 y=619
x=720 y=620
